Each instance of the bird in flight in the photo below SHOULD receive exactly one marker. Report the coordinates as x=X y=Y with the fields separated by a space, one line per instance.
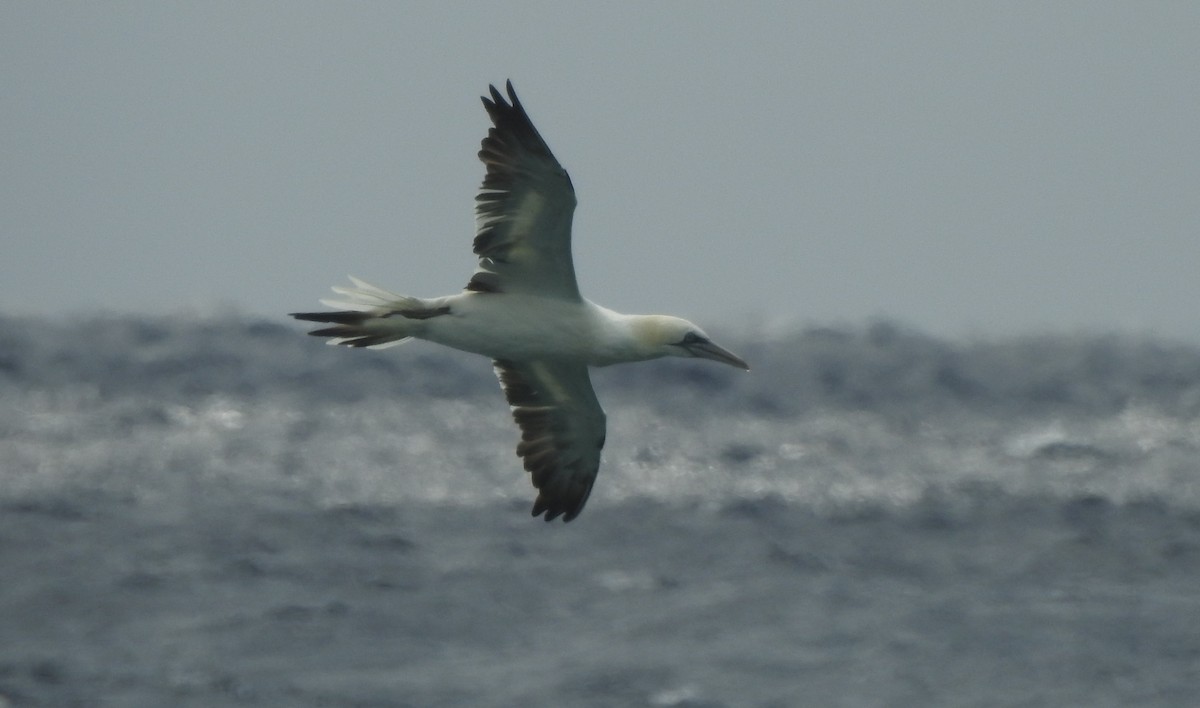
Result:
x=522 y=309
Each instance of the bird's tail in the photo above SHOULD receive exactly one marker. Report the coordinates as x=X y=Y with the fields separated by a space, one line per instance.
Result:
x=370 y=316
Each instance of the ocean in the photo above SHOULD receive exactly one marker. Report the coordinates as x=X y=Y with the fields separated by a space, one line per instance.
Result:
x=214 y=510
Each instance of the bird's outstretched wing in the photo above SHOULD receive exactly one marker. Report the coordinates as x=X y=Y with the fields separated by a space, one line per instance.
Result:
x=562 y=431
x=523 y=209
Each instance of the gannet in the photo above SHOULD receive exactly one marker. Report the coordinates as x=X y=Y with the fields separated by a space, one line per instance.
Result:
x=522 y=309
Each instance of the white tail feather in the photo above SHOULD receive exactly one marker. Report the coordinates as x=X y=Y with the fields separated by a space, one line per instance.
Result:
x=364 y=297
x=376 y=327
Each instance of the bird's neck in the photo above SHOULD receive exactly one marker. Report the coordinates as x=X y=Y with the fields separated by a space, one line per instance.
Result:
x=628 y=338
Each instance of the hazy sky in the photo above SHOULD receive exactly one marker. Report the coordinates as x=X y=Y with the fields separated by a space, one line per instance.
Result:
x=967 y=168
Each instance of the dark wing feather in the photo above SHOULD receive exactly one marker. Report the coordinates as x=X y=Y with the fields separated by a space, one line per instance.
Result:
x=562 y=431
x=523 y=209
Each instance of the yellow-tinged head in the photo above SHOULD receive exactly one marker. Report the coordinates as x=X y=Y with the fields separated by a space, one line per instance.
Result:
x=660 y=335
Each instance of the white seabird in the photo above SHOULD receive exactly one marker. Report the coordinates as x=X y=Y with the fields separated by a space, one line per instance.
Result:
x=522 y=308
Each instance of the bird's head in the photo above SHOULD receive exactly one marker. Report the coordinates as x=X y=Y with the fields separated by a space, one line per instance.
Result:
x=673 y=336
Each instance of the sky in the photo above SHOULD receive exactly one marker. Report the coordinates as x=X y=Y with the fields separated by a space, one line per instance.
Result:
x=963 y=168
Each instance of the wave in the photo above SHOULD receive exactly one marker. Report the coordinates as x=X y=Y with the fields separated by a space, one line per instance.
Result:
x=875 y=417
x=881 y=367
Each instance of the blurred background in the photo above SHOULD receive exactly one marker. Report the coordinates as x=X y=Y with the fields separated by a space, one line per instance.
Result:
x=964 y=168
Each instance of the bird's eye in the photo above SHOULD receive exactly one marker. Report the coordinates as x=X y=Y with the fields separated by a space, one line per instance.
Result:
x=691 y=338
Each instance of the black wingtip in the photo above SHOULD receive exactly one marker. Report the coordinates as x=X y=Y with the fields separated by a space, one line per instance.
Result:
x=542 y=506
x=497 y=98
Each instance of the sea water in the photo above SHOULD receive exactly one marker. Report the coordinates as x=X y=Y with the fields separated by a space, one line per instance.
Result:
x=205 y=511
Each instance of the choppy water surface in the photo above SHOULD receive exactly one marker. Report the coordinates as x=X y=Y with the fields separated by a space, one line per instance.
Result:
x=208 y=512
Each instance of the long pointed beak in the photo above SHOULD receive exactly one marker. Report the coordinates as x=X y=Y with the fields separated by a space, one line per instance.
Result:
x=708 y=350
